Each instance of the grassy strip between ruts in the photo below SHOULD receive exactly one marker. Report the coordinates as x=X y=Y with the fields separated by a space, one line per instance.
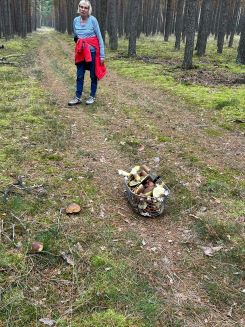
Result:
x=158 y=64
x=218 y=183
x=225 y=185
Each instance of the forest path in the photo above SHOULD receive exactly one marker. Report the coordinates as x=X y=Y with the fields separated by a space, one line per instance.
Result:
x=133 y=123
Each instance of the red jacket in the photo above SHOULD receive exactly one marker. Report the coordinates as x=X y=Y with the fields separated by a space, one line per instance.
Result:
x=82 y=53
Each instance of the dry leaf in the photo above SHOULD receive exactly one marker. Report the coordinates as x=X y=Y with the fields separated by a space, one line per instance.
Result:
x=47 y=321
x=210 y=250
x=102 y=159
x=229 y=313
x=141 y=148
x=73 y=208
x=67 y=258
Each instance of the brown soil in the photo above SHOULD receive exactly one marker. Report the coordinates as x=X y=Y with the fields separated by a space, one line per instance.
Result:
x=206 y=77
x=210 y=78
x=186 y=127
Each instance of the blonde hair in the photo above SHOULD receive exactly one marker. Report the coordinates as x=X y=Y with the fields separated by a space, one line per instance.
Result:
x=87 y=3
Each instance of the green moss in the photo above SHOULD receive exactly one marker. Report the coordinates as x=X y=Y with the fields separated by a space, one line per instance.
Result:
x=213 y=132
x=23 y=203
x=221 y=295
x=12 y=260
x=50 y=239
x=181 y=198
x=233 y=102
x=164 y=139
x=2 y=157
x=113 y=284
x=98 y=261
x=227 y=183
x=215 y=230
x=16 y=308
x=52 y=157
x=228 y=99
x=105 y=318
x=235 y=255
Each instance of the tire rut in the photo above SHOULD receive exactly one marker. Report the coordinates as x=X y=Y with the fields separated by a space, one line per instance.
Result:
x=90 y=134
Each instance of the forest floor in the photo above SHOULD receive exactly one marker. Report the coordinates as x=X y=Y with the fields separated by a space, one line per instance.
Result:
x=124 y=269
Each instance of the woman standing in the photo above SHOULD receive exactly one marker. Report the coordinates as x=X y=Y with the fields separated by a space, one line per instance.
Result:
x=89 y=51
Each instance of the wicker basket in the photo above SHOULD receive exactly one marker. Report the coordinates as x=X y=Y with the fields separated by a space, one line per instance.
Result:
x=146 y=206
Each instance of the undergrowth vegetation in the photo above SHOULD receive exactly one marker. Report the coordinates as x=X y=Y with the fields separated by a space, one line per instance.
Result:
x=215 y=83
x=93 y=271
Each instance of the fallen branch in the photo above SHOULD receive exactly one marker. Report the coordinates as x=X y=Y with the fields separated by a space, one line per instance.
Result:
x=239 y=121
x=8 y=63
x=20 y=185
x=11 y=56
x=4 y=60
x=18 y=219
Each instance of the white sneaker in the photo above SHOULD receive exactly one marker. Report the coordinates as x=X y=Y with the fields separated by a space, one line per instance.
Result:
x=74 y=102
x=90 y=100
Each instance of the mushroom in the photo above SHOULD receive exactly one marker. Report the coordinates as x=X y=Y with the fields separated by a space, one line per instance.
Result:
x=37 y=246
x=73 y=208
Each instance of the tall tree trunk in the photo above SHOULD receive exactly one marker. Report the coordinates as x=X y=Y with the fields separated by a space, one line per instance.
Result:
x=101 y=10
x=69 y=15
x=190 y=20
x=222 y=25
x=241 y=48
x=204 y=27
x=7 y=22
x=169 y=18
x=164 y=11
x=234 y=22
x=121 y=15
x=134 y=9
x=217 y=18
x=215 y=5
x=155 y=17
x=184 y=22
x=112 y=24
x=179 y=23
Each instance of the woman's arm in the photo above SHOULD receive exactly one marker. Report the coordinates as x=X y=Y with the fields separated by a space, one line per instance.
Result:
x=74 y=31
x=99 y=36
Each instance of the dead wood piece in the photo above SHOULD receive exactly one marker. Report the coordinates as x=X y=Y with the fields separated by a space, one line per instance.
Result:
x=11 y=56
x=8 y=63
x=19 y=187
x=19 y=220
x=4 y=60
x=239 y=121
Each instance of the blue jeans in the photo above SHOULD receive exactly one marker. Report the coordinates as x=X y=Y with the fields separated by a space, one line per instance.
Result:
x=81 y=67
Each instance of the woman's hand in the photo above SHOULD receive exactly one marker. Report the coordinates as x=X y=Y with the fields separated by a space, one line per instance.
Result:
x=102 y=60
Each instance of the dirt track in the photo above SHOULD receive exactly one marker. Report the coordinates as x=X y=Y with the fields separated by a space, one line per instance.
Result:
x=100 y=129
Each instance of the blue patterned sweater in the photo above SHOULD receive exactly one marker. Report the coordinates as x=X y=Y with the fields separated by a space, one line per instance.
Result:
x=89 y=29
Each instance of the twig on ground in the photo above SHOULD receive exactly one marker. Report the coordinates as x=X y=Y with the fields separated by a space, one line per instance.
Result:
x=19 y=185
x=11 y=56
x=8 y=63
x=1 y=229
x=18 y=219
x=6 y=236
